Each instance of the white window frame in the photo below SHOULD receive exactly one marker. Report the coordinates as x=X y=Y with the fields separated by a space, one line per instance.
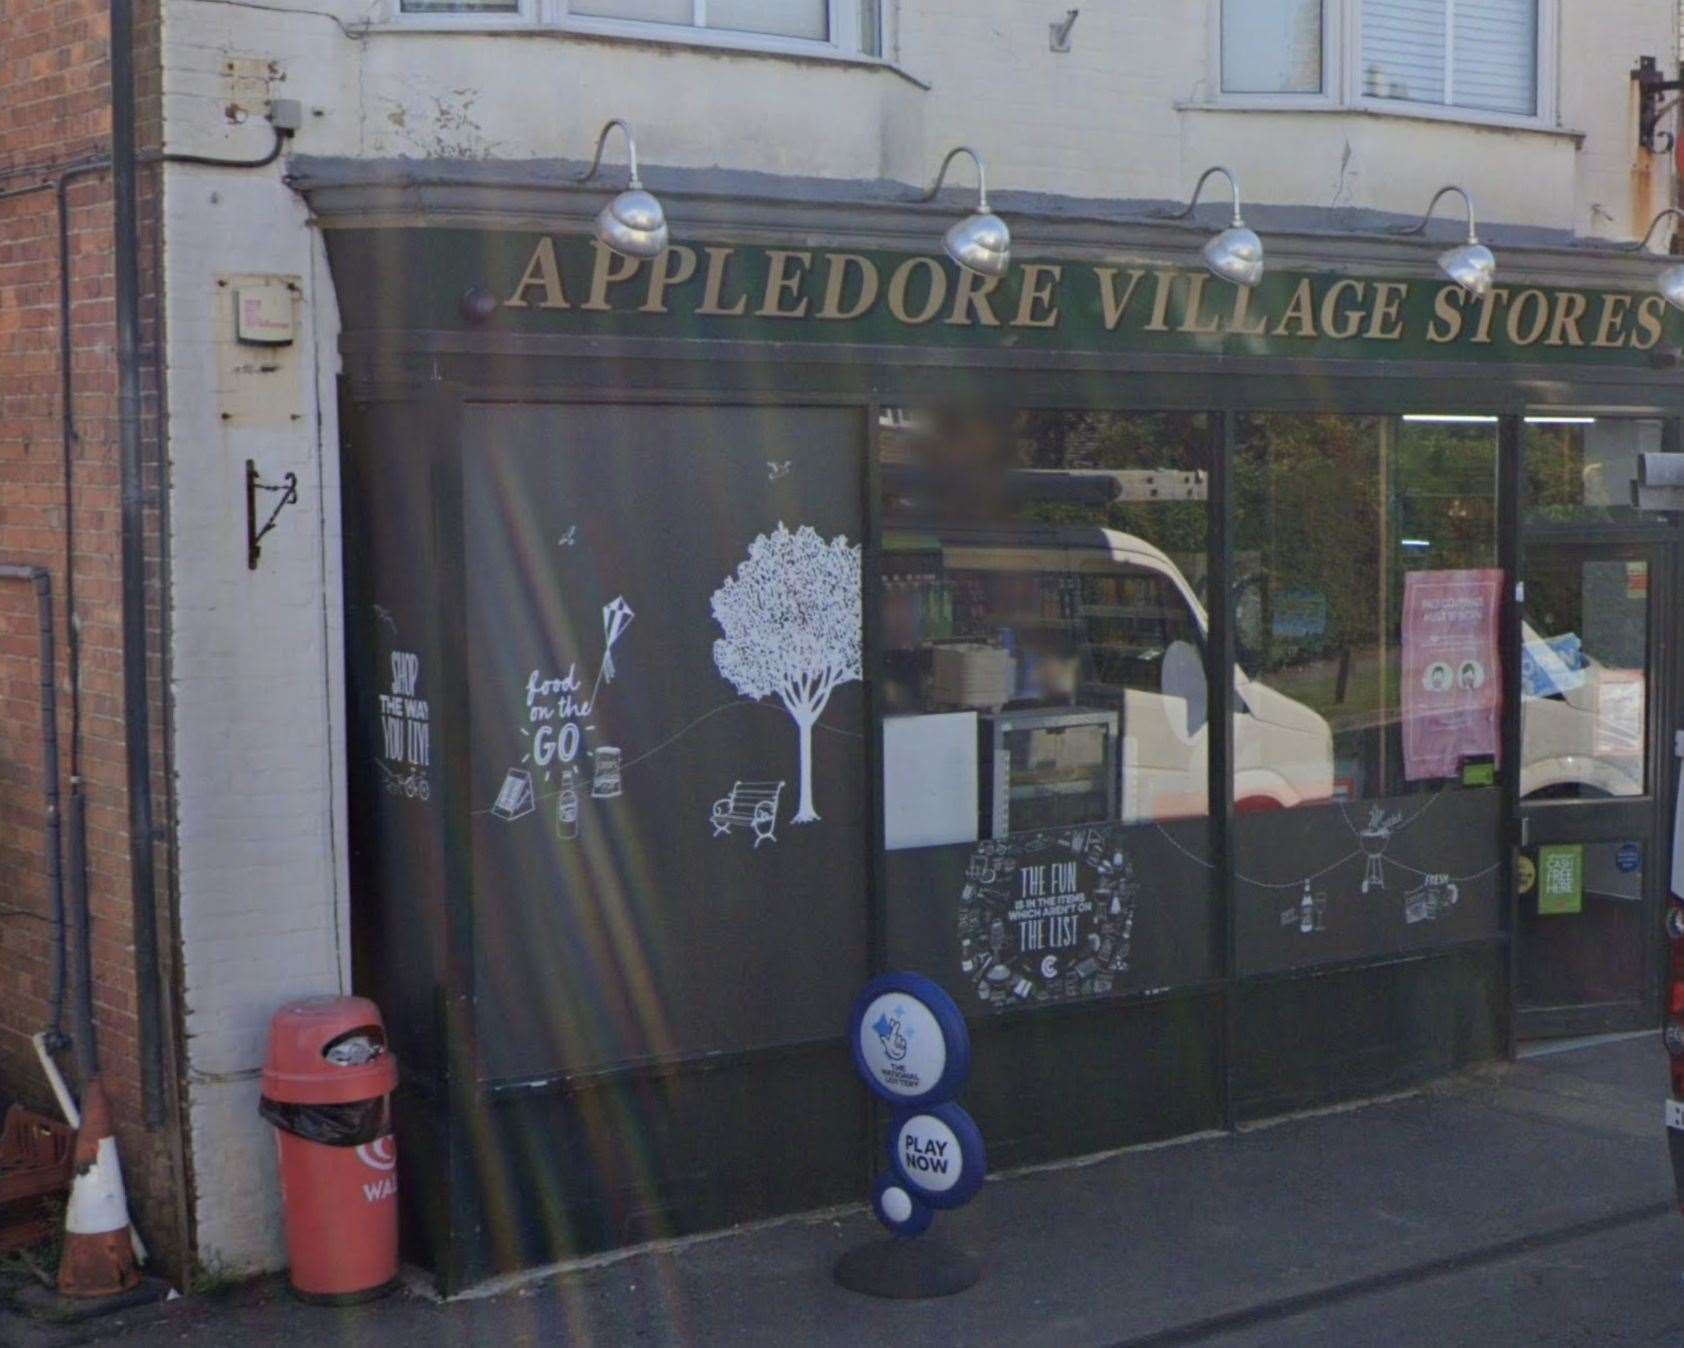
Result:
x=1342 y=84
x=1332 y=30
x=842 y=23
x=391 y=14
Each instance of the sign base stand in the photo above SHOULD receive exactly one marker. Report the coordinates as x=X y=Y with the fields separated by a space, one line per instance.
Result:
x=907 y=1269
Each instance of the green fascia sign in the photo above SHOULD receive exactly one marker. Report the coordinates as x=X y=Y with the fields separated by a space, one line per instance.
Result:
x=571 y=285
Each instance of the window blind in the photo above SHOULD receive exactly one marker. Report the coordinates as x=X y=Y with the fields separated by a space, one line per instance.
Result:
x=1495 y=50
x=1461 y=53
x=1404 y=49
x=461 y=6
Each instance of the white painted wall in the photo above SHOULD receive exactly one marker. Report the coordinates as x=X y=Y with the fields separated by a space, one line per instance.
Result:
x=256 y=665
x=257 y=677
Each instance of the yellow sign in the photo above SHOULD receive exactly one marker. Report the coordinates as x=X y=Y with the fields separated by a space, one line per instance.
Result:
x=1525 y=874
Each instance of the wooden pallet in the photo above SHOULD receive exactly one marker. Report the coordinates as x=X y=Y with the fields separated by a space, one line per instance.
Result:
x=36 y=1161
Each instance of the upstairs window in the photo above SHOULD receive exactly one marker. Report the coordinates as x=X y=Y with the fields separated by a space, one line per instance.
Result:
x=847 y=27
x=780 y=18
x=1272 y=46
x=1467 y=59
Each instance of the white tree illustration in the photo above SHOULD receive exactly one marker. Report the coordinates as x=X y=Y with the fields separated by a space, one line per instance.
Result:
x=791 y=618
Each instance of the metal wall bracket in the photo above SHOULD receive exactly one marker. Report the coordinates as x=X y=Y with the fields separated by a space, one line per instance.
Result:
x=288 y=488
x=1652 y=85
x=1058 y=34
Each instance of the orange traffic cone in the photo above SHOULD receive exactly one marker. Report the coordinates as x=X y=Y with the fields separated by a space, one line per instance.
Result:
x=98 y=1258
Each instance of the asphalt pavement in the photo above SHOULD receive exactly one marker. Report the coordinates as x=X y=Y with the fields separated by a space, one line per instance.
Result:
x=1525 y=1203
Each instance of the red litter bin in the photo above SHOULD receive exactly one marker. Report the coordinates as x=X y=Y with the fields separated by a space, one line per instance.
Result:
x=327 y=1088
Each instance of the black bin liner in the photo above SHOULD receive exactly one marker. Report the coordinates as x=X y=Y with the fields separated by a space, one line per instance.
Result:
x=348 y=1125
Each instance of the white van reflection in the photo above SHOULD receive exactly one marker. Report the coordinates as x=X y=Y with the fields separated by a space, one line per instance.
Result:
x=1142 y=631
x=1582 y=723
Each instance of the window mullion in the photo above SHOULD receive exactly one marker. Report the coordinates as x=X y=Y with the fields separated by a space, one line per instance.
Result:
x=1449 y=52
x=699 y=13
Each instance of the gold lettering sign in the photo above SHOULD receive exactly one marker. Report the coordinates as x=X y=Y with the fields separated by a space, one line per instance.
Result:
x=883 y=297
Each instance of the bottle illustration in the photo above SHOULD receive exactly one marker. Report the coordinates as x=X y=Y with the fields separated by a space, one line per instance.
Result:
x=1307 y=911
x=567 y=809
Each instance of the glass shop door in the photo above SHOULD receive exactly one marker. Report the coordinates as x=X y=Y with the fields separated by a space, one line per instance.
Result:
x=1598 y=627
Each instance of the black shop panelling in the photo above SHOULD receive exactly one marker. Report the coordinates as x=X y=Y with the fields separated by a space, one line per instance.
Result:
x=1308 y=1041
x=623 y=913
x=632 y=1158
x=395 y=763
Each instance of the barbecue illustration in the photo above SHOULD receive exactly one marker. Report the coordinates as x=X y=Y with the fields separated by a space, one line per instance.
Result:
x=1374 y=839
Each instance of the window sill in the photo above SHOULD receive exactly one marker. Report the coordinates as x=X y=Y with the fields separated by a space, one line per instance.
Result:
x=1403 y=112
x=701 y=40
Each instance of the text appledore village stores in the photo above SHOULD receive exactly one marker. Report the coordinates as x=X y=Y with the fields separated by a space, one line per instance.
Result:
x=725 y=291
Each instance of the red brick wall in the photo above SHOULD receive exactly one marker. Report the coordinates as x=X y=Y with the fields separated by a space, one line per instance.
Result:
x=55 y=111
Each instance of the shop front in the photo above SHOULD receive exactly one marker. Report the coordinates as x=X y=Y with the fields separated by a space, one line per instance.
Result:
x=1240 y=700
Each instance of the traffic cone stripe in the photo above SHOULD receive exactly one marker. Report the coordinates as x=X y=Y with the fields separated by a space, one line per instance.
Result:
x=97 y=1202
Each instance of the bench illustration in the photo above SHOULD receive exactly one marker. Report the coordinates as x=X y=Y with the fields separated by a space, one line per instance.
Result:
x=752 y=805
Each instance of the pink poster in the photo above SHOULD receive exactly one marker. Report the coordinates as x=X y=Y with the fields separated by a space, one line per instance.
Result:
x=1452 y=685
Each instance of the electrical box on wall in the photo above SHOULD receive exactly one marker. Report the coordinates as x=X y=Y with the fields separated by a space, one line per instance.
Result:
x=263 y=314
x=260 y=380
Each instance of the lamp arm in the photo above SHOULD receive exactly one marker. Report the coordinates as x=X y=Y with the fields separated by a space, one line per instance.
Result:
x=981 y=177
x=602 y=140
x=1199 y=187
x=1650 y=232
x=1438 y=196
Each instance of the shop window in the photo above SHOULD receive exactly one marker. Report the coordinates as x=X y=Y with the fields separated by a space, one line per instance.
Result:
x=1041 y=673
x=1272 y=46
x=1334 y=516
x=1581 y=469
x=1367 y=611
x=1464 y=59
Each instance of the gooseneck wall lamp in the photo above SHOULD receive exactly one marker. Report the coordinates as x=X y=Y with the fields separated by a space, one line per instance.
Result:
x=980 y=242
x=1470 y=265
x=1669 y=285
x=1236 y=254
x=633 y=224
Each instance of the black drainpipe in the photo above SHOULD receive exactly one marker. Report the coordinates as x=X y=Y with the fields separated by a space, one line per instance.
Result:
x=136 y=709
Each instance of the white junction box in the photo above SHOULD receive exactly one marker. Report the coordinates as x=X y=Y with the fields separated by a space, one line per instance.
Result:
x=263 y=314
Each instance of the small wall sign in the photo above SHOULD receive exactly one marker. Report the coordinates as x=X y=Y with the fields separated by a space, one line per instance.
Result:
x=1561 y=879
x=1525 y=874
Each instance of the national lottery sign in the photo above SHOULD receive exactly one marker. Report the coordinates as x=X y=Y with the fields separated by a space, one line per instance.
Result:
x=909 y=1040
x=937 y=1153
x=911 y=1047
